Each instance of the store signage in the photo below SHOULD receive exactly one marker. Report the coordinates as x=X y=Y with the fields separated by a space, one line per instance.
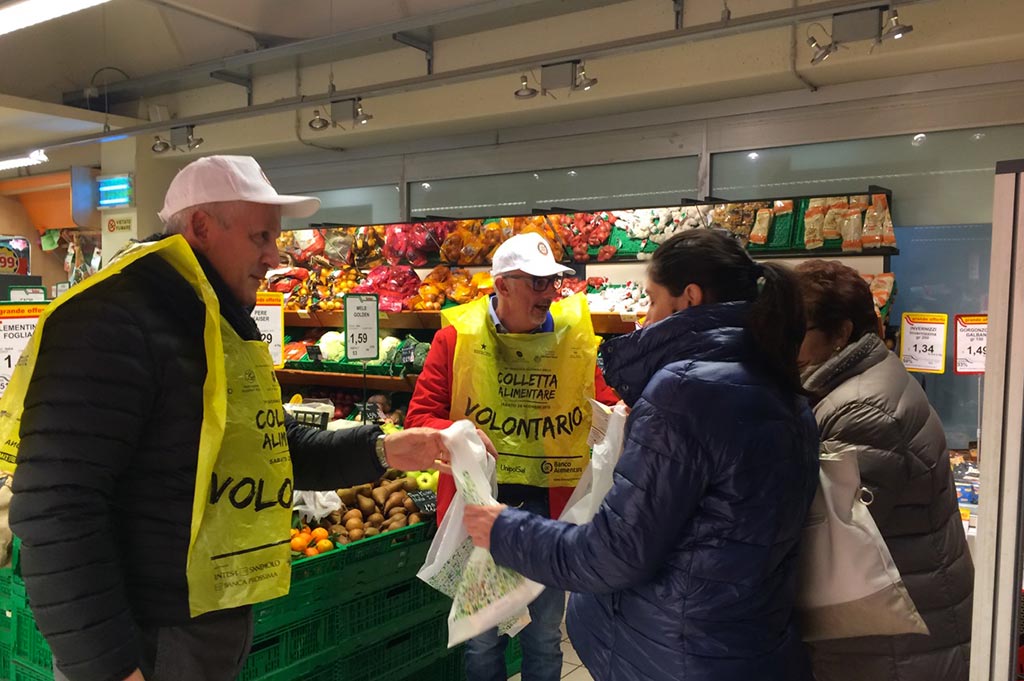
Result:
x=116 y=191
x=14 y=255
x=269 y=317
x=121 y=223
x=27 y=294
x=923 y=342
x=361 y=327
x=17 y=322
x=970 y=343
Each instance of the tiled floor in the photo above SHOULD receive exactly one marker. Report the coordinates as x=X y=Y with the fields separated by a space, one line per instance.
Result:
x=572 y=668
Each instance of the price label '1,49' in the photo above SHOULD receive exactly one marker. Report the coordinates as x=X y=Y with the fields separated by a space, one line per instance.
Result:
x=971 y=343
x=17 y=323
x=923 y=342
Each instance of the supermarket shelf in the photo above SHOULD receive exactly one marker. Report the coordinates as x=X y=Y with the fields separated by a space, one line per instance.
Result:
x=604 y=322
x=388 y=320
x=333 y=380
x=823 y=253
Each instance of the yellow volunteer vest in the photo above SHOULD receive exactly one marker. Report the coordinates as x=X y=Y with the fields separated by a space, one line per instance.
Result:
x=528 y=392
x=241 y=508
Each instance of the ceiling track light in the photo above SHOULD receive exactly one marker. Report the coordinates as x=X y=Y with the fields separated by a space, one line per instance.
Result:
x=582 y=82
x=821 y=52
x=160 y=145
x=318 y=122
x=894 y=29
x=194 y=142
x=361 y=117
x=525 y=91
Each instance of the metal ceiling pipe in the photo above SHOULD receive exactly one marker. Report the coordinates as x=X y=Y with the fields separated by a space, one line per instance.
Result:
x=754 y=22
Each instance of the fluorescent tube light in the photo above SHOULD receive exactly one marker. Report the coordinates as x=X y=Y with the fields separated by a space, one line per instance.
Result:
x=23 y=13
x=35 y=158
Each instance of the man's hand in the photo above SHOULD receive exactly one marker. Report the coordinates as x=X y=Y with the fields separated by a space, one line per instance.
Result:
x=479 y=520
x=135 y=676
x=415 y=449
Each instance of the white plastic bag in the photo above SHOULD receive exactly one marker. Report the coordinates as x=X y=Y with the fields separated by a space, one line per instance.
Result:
x=484 y=595
x=849 y=584
x=315 y=505
x=606 y=434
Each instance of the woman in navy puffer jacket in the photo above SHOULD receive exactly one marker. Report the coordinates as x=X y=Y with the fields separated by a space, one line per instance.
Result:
x=688 y=570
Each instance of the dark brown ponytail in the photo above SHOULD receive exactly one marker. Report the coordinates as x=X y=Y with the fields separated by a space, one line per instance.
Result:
x=725 y=272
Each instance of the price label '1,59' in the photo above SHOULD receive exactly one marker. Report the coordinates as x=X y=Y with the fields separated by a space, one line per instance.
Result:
x=361 y=327
x=971 y=343
x=17 y=323
x=923 y=342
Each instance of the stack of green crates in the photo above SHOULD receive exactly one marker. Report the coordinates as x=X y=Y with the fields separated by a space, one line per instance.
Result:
x=354 y=614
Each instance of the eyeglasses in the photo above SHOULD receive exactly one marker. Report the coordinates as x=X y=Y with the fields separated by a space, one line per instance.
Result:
x=539 y=284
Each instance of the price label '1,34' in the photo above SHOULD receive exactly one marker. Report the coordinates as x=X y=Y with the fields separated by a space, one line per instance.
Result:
x=923 y=342
x=971 y=342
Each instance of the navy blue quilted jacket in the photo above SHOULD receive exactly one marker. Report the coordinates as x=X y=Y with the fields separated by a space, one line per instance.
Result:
x=688 y=571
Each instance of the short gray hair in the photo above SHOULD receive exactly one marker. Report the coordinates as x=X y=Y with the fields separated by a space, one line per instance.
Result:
x=177 y=223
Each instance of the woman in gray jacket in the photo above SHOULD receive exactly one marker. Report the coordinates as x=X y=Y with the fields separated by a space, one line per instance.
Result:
x=864 y=398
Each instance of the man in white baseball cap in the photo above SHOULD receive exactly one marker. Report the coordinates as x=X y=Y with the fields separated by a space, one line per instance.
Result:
x=155 y=465
x=520 y=366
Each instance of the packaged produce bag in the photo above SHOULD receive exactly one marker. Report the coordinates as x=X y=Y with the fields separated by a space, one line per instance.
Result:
x=849 y=584
x=484 y=595
x=608 y=427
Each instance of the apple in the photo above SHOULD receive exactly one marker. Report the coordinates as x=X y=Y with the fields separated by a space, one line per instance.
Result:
x=412 y=474
x=424 y=481
x=435 y=476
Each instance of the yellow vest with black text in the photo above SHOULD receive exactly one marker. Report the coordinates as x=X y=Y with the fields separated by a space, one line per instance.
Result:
x=527 y=392
x=241 y=509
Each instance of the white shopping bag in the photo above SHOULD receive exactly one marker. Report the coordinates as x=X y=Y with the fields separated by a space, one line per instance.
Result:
x=606 y=434
x=484 y=595
x=849 y=584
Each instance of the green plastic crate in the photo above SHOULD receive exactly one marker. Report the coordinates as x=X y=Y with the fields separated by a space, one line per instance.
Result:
x=358 y=569
x=30 y=648
x=355 y=623
x=389 y=659
x=20 y=672
x=452 y=666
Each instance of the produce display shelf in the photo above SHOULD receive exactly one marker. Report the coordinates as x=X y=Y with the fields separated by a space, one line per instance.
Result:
x=604 y=322
x=355 y=381
x=21 y=672
x=388 y=320
x=30 y=648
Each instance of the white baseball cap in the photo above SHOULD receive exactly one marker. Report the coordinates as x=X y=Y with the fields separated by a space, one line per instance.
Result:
x=530 y=253
x=230 y=178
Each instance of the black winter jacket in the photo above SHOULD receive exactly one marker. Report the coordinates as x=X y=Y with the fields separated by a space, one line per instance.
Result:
x=107 y=464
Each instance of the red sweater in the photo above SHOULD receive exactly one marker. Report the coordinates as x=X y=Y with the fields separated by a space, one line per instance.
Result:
x=431 y=407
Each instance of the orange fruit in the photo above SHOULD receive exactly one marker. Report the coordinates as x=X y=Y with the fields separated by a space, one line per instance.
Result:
x=312 y=552
x=324 y=545
x=320 y=533
x=299 y=543
x=295 y=531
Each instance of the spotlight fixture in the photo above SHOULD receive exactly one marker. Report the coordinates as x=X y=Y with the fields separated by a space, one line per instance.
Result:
x=184 y=137
x=582 y=82
x=318 y=122
x=361 y=117
x=918 y=139
x=753 y=156
x=160 y=145
x=978 y=136
x=525 y=91
x=895 y=29
x=821 y=52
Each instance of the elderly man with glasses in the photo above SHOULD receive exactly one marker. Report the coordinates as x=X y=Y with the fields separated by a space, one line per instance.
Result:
x=520 y=365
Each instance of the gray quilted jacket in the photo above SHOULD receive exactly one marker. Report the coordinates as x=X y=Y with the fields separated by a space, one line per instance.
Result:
x=866 y=398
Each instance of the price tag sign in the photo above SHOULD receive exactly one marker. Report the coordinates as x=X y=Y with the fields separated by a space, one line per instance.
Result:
x=14 y=255
x=425 y=500
x=361 y=327
x=923 y=342
x=269 y=317
x=17 y=322
x=971 y=342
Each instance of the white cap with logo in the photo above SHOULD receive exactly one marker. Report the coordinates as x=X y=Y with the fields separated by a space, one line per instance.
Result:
x=528 y=252
x=230 y=178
